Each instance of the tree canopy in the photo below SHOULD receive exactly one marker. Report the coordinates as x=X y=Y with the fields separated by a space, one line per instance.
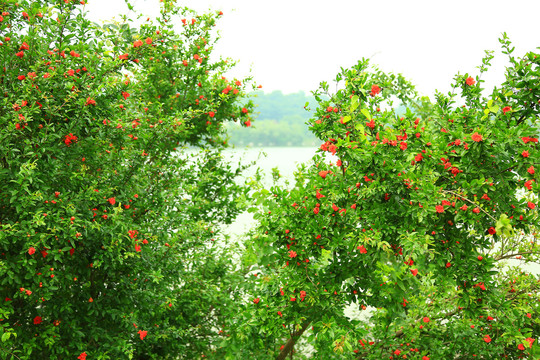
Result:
x=109 y=227
x=413 y=222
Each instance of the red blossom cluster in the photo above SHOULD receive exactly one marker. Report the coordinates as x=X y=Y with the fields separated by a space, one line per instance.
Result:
x=70 y=139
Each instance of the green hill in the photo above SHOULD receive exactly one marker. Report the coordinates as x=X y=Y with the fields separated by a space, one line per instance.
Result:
x=279 y=121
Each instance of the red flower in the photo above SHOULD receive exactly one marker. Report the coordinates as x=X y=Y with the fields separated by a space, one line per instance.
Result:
x=20 y=54
x=531 y=205
x=476 y=210
x=414 y=272
x=425 y=358
x=482 y=286
x=142 y=333
x=69 y=139
x=292 y=254
x=256 y=300
x=123 y=57
x=112 y=201
x=316 y=210
x=82 y=356
x=470 y=81
x=148 y=41
x=37 y=320
x=211 y=114
x=332 y=148
x=90 y=101
x=125 y=95
x=476 y=137
x=137 y=43
x=492 y=230
x=528 y=184
x=31 y=251
x=323 y=173
x=426 y=319
x=525 y=154
x=521 y=347
x=487 y=338
x=137 y=248
x=403 y=145
x=227 y=89
x=21 y=77
x=362 y=249
x=531 y=170
x=530 y=341
x=375 y=89
x=480 y=258
x=247 y=123
x=439 y=208
x=418 y=157
x=448 y=265
x=506 y=109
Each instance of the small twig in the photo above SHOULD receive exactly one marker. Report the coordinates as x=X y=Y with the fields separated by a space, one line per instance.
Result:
x=464 y=198
x=311 y=280
x=507 y=256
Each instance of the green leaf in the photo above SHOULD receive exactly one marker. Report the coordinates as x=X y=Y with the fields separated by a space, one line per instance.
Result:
x=5 y=336
x=354 y=103
x=366 y=114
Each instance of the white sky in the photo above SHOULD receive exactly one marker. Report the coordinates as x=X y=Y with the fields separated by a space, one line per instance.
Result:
x=292 y=45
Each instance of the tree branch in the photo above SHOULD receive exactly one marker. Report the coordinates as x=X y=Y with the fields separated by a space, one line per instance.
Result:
x=292 y=340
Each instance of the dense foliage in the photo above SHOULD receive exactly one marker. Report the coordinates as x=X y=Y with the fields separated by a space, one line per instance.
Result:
x=110 y=244
x=413 y=221
x=108 y=224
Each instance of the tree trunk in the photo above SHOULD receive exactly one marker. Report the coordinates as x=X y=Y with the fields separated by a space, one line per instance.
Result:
x=290 y=343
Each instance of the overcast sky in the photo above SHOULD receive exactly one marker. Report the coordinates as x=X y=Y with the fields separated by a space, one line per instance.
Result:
x=292 y=45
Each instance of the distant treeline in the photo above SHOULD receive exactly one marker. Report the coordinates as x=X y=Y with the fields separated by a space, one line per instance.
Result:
x=280 y=120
